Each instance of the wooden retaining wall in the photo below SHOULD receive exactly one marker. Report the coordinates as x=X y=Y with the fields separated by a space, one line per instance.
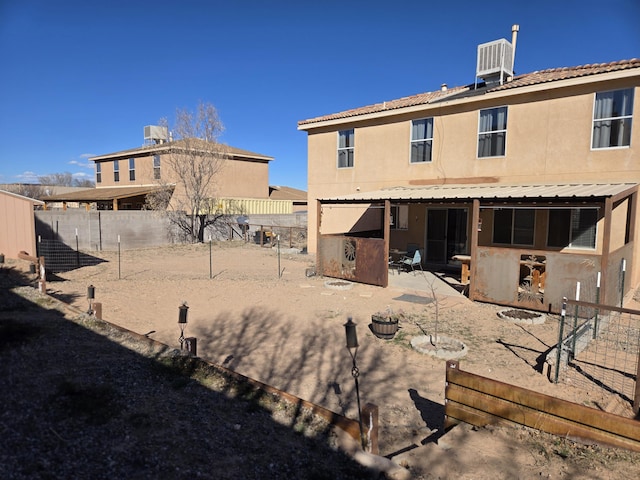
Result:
x=369 y=412
x=481 y=401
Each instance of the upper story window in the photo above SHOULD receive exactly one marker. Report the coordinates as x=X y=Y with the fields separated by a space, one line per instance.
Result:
x=132 y=169
x=421 y=140
x=116 y=170
x=492 y=132
x=572 y=227
x=345 y=148
x=98 y=172
x=514 y=226
x=612 y=115
x=156 y=167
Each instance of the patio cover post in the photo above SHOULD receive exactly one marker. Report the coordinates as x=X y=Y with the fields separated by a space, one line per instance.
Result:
x=317 y=227
x=606 y=246
x=386 y=236
x=475 y=219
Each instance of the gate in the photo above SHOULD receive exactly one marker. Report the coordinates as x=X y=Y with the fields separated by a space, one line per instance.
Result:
x=599 y=345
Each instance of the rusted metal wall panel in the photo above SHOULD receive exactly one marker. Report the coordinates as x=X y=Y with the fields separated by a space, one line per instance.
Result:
x=616 y=286
x=353 y=258
x=564 y=270
x=499 y=276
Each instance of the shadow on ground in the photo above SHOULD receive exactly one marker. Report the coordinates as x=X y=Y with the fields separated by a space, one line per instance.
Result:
x=77 y=404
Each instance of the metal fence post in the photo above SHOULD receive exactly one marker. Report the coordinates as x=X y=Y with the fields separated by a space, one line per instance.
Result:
x=575 y=322
x=563 y=315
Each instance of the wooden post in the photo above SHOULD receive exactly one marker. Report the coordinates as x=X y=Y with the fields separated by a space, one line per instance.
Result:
x=97 y=310
x=636 y=398
x=371 y=426
x=42 y=283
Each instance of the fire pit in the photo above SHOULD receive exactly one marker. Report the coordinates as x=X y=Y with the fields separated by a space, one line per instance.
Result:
x=522 y=316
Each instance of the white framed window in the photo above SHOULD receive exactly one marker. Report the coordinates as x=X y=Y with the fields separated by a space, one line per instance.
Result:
x=421 y=140
x=116 y=170
x=399 y=217
x=492 y=132
x=132 y=169
x=612 y=118
x=156 y=167
x=572 y=227
x=98 y=172
x=345 y=148
x=514 y=226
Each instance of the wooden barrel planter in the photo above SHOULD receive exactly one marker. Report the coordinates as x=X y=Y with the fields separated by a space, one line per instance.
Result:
x=383 y=326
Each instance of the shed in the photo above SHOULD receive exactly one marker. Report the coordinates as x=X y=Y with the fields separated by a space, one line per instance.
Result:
x=17 y=224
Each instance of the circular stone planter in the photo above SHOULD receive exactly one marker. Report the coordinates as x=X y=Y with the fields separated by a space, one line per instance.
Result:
x=338 y=284
x=522 y=316
x=446 y=348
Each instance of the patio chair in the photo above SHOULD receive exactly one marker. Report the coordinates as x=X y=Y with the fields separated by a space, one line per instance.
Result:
x=395 y=265
x=412 y=262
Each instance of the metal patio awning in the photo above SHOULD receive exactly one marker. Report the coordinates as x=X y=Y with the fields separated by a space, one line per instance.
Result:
x=102 y=194
x=494 y=191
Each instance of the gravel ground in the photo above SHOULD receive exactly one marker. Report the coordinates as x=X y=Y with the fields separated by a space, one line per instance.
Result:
x=81 y=400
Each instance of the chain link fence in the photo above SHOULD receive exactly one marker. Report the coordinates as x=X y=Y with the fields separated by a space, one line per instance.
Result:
x=60 y=257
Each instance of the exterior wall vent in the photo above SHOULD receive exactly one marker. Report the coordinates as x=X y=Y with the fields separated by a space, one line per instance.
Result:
x=495 y=61
x=155 y=134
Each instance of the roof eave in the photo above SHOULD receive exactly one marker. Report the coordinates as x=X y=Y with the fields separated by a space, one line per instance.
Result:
x=489 y=94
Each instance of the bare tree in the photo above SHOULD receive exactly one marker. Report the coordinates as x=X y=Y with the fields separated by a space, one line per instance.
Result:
x=196 y=157
x=83 y=182
x=29 y=190
x=58 y=179
x=65 y=180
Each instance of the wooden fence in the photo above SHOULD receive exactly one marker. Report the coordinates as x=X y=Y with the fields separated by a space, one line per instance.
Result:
x=481 y=401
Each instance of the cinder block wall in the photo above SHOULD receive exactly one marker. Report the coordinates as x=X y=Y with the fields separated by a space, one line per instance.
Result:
x=99 y=230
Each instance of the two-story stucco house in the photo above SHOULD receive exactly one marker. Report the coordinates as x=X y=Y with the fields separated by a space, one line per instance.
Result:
x=244 y=174
x=531 y=181
x=124 y=179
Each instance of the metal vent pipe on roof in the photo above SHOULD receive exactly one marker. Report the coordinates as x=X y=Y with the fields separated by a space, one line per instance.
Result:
x=514 y=37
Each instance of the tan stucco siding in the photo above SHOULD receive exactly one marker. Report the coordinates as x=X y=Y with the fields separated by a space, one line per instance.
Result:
x=548 y=140
x=237 y=178
x=244 y=179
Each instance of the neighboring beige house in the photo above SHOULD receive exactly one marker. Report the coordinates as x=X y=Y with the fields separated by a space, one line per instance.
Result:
x=297 y=197
x=18 y=232
x=124 y=179
x=531 y=181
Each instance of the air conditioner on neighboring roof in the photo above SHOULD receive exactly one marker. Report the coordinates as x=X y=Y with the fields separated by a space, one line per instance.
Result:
x=495 y=60
x=155 y=133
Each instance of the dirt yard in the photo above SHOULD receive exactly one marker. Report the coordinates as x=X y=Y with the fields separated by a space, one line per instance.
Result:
x=287 y=330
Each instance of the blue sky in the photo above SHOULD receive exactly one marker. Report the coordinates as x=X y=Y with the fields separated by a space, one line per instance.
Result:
x=82 y=78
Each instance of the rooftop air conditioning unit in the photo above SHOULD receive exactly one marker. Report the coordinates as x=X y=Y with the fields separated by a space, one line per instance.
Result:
x=156 y=133
x=495 y=60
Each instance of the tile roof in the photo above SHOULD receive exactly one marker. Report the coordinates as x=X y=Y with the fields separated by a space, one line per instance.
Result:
x=527 y=79
x=149 y=149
